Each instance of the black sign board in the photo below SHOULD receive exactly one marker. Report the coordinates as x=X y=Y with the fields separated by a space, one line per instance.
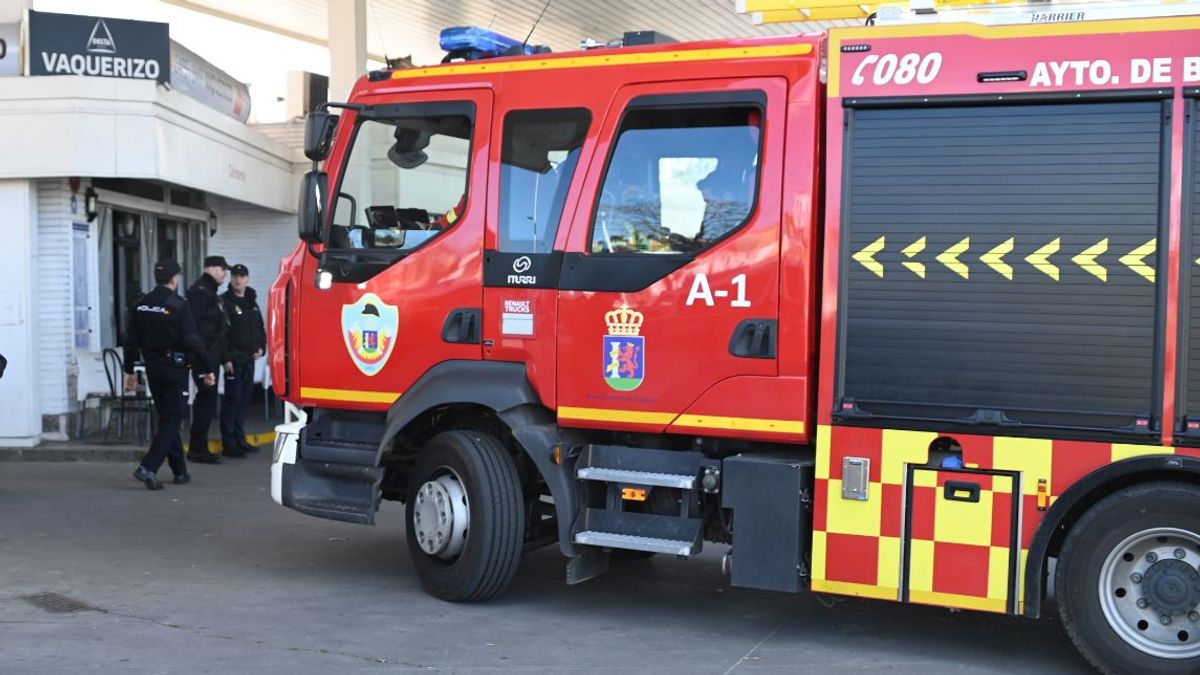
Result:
x=68 y=44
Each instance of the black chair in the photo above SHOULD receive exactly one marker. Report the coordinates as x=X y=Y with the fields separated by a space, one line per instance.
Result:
x=124 y=404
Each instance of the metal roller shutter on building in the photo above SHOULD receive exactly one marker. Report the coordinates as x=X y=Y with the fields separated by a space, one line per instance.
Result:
x=1000 y=262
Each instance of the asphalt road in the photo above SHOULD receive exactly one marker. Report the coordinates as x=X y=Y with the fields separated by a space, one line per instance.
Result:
x=213 y=577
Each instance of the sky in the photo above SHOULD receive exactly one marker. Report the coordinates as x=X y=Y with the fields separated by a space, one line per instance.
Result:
x=259 y=58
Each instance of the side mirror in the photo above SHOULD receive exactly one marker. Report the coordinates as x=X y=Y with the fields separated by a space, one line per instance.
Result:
x=314 y=191
x=318 y=134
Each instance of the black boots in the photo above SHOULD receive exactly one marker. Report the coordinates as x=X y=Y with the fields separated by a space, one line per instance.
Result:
x=148 y=479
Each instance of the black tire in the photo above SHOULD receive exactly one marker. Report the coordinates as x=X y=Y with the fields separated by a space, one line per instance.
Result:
x=494 y=538
x=1101 y=530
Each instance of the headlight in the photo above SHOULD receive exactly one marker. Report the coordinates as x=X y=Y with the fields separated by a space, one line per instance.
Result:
x=280 y=439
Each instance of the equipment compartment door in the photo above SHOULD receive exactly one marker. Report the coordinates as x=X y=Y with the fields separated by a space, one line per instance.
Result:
x=1001 y=263
x=960 y=538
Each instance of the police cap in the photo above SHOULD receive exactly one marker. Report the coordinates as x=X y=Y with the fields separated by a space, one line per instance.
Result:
x=216 y=261
x=240 y=270
x=165 y=270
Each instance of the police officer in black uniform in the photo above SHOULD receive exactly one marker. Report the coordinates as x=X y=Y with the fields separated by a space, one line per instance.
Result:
x=247 y=342
x=210 y=319
x=163 y=333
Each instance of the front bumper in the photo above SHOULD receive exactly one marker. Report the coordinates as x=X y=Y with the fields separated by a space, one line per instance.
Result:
x=287 y=440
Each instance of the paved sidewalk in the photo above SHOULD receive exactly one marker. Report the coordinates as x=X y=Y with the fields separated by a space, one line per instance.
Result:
x=259 y=432
x=212 y=577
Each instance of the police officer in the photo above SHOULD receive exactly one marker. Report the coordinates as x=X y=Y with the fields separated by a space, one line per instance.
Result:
x=247 y=342
x=210 y=319
x=163 y=333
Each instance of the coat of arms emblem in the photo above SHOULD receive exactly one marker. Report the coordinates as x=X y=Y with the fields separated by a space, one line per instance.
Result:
x=369 y=329
x=624 y=349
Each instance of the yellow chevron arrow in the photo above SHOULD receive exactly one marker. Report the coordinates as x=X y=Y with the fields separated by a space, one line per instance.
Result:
x=918 y=268
x=995 y=259
x=949 y=258
x=866 y=257
x=1134 y=260
x=1087 y=259
x=1041 y=259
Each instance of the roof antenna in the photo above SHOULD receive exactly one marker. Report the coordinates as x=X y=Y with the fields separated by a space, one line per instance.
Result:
x=494 y=16
x=387 y=63
x=536 y=21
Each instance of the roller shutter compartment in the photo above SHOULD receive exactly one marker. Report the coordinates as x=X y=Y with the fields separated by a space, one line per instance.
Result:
x=1190 y=354
x=999 y=263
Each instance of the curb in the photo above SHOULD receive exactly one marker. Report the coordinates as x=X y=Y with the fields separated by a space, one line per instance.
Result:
x=71 y=454
x=100 y=453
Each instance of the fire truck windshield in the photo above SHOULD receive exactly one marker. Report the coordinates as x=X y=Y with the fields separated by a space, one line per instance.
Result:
x=404 y=180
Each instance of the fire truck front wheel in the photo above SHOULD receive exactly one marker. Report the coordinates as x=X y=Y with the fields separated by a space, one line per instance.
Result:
x=465 y=516
x=1128 y=580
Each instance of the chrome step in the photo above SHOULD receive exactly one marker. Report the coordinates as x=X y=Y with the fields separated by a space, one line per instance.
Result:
x=627 y=476
x=639 y=531
x=635 y=543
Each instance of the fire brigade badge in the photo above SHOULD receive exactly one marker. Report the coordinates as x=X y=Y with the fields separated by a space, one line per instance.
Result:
x=369 y=328
x=624 y=349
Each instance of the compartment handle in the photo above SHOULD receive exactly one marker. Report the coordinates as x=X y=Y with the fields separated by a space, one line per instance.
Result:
x=961 y=491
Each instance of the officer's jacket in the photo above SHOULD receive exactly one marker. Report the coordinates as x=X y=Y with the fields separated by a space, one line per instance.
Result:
x=210 y=318
x=247 y=334
x=161 y=322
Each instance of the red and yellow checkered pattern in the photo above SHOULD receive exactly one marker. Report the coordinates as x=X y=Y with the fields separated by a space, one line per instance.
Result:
x=858 y=545
x=960 y=540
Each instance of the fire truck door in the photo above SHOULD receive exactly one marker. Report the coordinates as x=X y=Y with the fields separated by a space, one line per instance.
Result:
x=533 y=182
x=404 y=252
x=669 y=288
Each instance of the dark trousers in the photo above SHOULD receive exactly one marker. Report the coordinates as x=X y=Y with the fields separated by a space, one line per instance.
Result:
x=204 y=409
x=168 y=386
x=239 y=388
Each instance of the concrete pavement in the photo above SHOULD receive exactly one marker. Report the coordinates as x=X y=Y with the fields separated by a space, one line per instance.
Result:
x=213 y=577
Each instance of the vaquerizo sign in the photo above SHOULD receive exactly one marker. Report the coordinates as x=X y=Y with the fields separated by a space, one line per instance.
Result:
x=68 y=44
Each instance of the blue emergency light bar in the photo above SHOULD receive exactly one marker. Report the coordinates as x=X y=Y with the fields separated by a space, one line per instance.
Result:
x=472 y=43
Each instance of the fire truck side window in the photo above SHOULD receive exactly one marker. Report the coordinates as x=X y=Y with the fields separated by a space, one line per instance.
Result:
x=679 y=179
x=405 y=181
x=540 y=152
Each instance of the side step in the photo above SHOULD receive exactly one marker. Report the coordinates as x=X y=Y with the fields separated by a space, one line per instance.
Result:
x=335 y=475
x=639 y=466
x=671 y=535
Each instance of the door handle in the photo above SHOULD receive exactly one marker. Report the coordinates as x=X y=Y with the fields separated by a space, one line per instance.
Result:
x=961 y=491
x=463 y=326
x=754 y=339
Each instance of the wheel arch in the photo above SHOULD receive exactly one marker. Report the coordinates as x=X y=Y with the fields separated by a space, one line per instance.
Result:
x=1073 y=503
x=499 y=390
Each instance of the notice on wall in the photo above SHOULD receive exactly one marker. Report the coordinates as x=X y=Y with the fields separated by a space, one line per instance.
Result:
x=70 y=44
x=10 y=49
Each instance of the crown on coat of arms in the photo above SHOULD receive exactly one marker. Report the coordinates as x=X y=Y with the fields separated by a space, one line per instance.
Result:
x=624 y=321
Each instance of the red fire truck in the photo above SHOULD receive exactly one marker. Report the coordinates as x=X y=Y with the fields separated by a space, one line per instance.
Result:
x=907 y=313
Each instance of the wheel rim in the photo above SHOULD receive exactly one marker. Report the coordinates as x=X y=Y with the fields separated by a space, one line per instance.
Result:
x=1150 y=592
x=442 y=515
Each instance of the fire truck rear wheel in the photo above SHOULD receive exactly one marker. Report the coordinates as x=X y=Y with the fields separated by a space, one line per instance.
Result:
x=465 y=516
x=1128 y=580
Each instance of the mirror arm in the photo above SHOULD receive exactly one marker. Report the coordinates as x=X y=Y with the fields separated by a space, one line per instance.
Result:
x=358 y=107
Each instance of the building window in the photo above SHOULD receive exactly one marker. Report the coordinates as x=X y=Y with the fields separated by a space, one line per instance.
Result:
x=538 y=159
x=405 y=179
x=679 y=179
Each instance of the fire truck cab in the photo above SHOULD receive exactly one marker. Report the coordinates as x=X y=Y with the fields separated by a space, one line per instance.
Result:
x=901 y=313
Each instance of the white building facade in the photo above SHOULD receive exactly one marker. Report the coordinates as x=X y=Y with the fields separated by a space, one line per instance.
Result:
x=165 y=176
